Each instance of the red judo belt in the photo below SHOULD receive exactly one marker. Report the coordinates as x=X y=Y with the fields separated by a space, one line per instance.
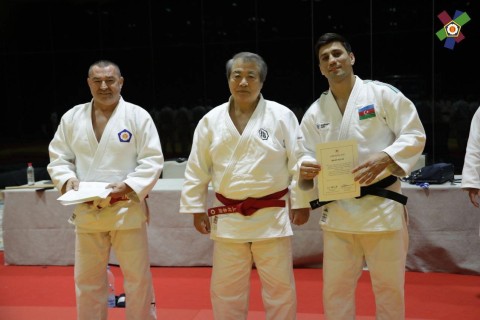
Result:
x=248 y=206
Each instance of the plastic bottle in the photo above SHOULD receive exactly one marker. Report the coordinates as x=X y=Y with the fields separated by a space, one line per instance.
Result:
x=111 y=288
x=30 y=175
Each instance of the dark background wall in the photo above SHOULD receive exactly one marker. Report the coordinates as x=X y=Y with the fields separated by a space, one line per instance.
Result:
x=172 y=55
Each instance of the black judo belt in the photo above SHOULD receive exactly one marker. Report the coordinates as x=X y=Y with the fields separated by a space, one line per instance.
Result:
x=376 y=189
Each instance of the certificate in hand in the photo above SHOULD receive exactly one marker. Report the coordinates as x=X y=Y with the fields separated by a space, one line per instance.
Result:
x=336 y=180
x=87 y=191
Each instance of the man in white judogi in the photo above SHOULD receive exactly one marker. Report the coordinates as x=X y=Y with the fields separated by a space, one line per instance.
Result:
x=109 y=140
x=245 y=149
x=471 y=165
x=373 y=228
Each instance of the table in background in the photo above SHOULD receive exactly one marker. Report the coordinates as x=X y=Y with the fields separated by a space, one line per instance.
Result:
x=36 y=231
x=443 y=228
x=444 y=231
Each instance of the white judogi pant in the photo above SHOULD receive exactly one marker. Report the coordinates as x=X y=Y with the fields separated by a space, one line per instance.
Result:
x=230 y=282
x=385 y=254
x=91 y=285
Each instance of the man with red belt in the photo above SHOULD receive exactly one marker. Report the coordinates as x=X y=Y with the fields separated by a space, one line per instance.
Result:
x=245 y=148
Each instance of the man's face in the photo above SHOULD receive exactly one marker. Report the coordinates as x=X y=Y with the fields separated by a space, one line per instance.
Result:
x=105 y=85
x=244 y=81
x=335 y=62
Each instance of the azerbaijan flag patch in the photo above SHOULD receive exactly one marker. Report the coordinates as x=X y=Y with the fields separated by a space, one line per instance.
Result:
x=366 y=112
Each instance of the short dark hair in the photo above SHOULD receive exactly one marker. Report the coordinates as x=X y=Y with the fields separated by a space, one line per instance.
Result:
x=332 y=37
x=103 y=64
x=249 y=57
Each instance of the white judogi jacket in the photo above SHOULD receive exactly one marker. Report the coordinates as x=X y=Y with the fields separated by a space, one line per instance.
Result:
x=471 y=165
x=128 y=151
x=392 y=126
x=255 y=164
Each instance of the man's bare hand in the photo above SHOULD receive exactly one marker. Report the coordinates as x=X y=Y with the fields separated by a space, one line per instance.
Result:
x=201 y=222
x=473 y=195
x=299 y=216
x=309 y=170
x=71 y=184
x=366 y=172
x=119 y=189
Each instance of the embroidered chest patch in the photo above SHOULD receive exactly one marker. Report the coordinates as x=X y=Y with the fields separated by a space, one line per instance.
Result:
x=263 y=134
x=124 y=135
x=323 y=126
x=366 y=112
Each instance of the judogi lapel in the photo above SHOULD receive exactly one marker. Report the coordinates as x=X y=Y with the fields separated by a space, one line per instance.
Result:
x=243 y=141
x=350 y=112
x=101 y=147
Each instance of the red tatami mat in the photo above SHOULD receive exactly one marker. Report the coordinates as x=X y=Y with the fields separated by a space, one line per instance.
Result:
x=47 y=293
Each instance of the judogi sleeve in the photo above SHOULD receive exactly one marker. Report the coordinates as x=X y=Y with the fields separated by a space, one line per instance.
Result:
x=62 y=158
x=307 y=136
x=198 y=171
x=149 y=157
x=471 y=166
x=402 y=118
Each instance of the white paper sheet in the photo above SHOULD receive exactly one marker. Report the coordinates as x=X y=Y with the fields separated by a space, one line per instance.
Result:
x=87 y=191
x=336 y=180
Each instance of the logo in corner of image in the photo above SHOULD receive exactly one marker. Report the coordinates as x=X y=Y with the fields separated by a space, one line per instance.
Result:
x=451 y=30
